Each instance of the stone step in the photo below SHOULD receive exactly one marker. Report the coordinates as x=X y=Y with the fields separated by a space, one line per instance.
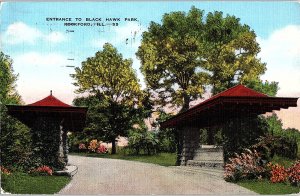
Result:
x=199 y=150
x=206 y=164
x=208 y=156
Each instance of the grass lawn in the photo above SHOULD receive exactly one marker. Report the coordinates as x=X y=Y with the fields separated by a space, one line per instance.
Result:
x=268 y=188
x=22 y=183
x=164 y=159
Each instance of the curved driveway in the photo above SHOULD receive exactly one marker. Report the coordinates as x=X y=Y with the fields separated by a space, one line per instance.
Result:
x=112 y=176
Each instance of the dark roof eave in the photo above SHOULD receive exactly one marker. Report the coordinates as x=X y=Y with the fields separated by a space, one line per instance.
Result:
x=25 y=108
x=284 y=101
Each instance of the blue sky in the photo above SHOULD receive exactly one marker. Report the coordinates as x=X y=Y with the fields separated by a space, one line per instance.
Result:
x=41 y=49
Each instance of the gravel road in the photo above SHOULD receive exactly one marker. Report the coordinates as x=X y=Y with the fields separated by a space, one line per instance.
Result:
x=112 y=176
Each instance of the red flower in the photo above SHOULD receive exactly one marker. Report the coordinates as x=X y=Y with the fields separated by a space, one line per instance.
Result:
x=43 y=169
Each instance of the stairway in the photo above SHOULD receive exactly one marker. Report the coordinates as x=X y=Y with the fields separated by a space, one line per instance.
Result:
x=208 y=156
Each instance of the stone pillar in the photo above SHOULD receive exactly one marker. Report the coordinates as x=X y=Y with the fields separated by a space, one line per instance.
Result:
x=63 y=149
x=190 y=143
x=65 y=146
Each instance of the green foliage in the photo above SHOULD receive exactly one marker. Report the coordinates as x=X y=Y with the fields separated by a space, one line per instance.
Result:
x=15 y=140
x=45 y=143
x=105 y=121
x=230 y=52
x=166 y=137
x=270 y=145
x=283 y=142
x=22 y=183
x=142 y=139
x=241 y=133
x=109 y=77
x=268 y=88
x=188 y=51
x=8 y=93
x=169 y=55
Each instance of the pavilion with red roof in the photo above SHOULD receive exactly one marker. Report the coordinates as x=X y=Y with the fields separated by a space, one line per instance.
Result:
x=235 y=102
x=51 y=117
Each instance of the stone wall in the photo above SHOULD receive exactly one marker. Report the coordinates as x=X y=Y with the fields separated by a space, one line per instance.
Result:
x=190 y=143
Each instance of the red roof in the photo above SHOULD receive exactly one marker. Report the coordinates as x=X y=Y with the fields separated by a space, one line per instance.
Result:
x=74 y=117
x=50 y=101
x=236 y=91
x=237 y=100
x=240 y=91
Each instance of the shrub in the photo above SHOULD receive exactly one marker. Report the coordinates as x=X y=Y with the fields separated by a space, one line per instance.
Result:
x=270 y=145
x=93 y=145
x=15 y=141
x=42 y=170
x=82 y=146
x=142 y=139
x=247 y=165
x=294 y=174
x=241 y=133
x=101 y=149
x=278 y=173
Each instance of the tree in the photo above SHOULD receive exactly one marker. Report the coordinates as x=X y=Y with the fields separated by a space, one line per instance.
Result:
x=8 y=93
x=230 y=53
x=170 y=55
x=187 y=52
x=268 y=88
x=15 y=140
x=108 y=76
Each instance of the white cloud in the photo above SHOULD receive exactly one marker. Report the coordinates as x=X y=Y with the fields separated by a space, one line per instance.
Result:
x=281 y=52
x=38 y=59
x=20 y=32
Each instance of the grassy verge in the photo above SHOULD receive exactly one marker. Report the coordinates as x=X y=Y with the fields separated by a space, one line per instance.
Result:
x=268 y=188
x=164 y=159
x=22 y=183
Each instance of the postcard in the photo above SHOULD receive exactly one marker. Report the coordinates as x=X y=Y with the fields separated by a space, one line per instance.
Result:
x=150 y=97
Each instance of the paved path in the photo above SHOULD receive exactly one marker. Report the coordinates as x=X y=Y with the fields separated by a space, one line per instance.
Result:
x=112 y=176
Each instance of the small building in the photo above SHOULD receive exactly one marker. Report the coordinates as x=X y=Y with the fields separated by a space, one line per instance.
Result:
x=49 y=120
x=236 y=102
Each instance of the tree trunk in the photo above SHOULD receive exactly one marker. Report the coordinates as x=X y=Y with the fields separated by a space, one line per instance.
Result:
x=113 y=146
x=186 y=102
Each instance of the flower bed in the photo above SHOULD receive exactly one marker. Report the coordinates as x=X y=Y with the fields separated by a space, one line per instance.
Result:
x=249 y=165
x=94 y=146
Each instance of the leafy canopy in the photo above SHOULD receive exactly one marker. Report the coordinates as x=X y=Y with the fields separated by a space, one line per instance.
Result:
x=230 y=52
x=189 y=51
x=169 y=55
x=15 y=140
x=8 y=93
x=108 y=74
x=114 y=94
